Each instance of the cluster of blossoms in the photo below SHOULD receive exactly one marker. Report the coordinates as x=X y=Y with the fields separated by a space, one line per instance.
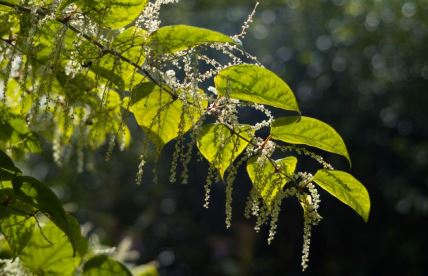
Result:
x=12 y=268
x=149 y=19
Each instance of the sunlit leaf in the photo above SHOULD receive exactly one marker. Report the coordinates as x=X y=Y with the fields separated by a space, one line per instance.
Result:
x=103 y=265
x=38 y=195
x=171 y=39
x=309 y=131
x=346 y=188
x=269 y=179
x=220 y=146
x=163 y=117
x=49 y=252
x=113 y=14
x=16 y=222
x=255 y=84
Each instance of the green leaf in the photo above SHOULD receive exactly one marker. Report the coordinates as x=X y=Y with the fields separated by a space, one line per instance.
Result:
x=346 y=188
x=220 y=146
x=311 y=132
x=103 y=265
x=163 y=117
x=49 y=252
x=171 y=39
x=36 y=194
x=267 y=180
x=7 y=169
x=16 y=222
x=255 y=84
x=109 y=75
x=130 y=43
x=113 y=14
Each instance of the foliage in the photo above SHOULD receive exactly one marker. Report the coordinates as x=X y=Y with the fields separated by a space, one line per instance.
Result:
x=73 y=72
x=54 y=247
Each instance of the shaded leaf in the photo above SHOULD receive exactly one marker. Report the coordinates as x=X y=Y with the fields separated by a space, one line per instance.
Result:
x=346 y=188
x=171 y=39
x=267 y=180
x=309 y=131
x=7 y=169
x=255 y=84
x=220 y=146
x=103 y=265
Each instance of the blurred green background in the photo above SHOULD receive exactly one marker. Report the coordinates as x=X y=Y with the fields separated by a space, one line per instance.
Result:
x=359 y=65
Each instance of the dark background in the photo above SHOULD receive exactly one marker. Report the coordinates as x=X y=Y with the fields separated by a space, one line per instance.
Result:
x=362 y=67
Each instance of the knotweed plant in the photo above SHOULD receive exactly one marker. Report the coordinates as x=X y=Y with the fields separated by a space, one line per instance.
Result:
x=75 y=72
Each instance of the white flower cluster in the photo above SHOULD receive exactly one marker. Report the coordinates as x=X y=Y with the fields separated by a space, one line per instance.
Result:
x=246 y=24
x=310 y=203
x=225 y=110
x=10 y=267
x=267 y=113
x=72 y=67
x=276 y=208
x=149 y=19
x=304 y=151
x=139 y=176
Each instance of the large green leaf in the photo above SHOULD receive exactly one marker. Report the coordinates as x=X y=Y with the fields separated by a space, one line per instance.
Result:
x=346 y=188
x=309 y=131
x=103 y=265
x=163 y=117
x=49 y=252
x=38 y=195
x=171 y=39
x=220 y=146
x=269 y=179
x=16 y=222
x=255 y=84
x=113 y=14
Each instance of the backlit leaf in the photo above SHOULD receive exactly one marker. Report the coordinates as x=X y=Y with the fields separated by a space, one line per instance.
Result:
x=113 y=14
x=311 y=132
x=171 y=39
x=163 y=117
x=220 y=146
x=269 y=179
x=38 y=195
x=103 y=265
x=255 y=84
x=346 y=188
x=49 y=252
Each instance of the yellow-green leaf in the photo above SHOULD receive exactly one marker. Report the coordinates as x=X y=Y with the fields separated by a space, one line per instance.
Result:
x=16 y=222
x=255 y=84
x=103 y=265
x=163 y=117
x=220 y=146
x=309 y=131
x=346 y=188
x=267 y=180
x=171 y=39
x=49 y=252
x=113 y=14
x=39 y=196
